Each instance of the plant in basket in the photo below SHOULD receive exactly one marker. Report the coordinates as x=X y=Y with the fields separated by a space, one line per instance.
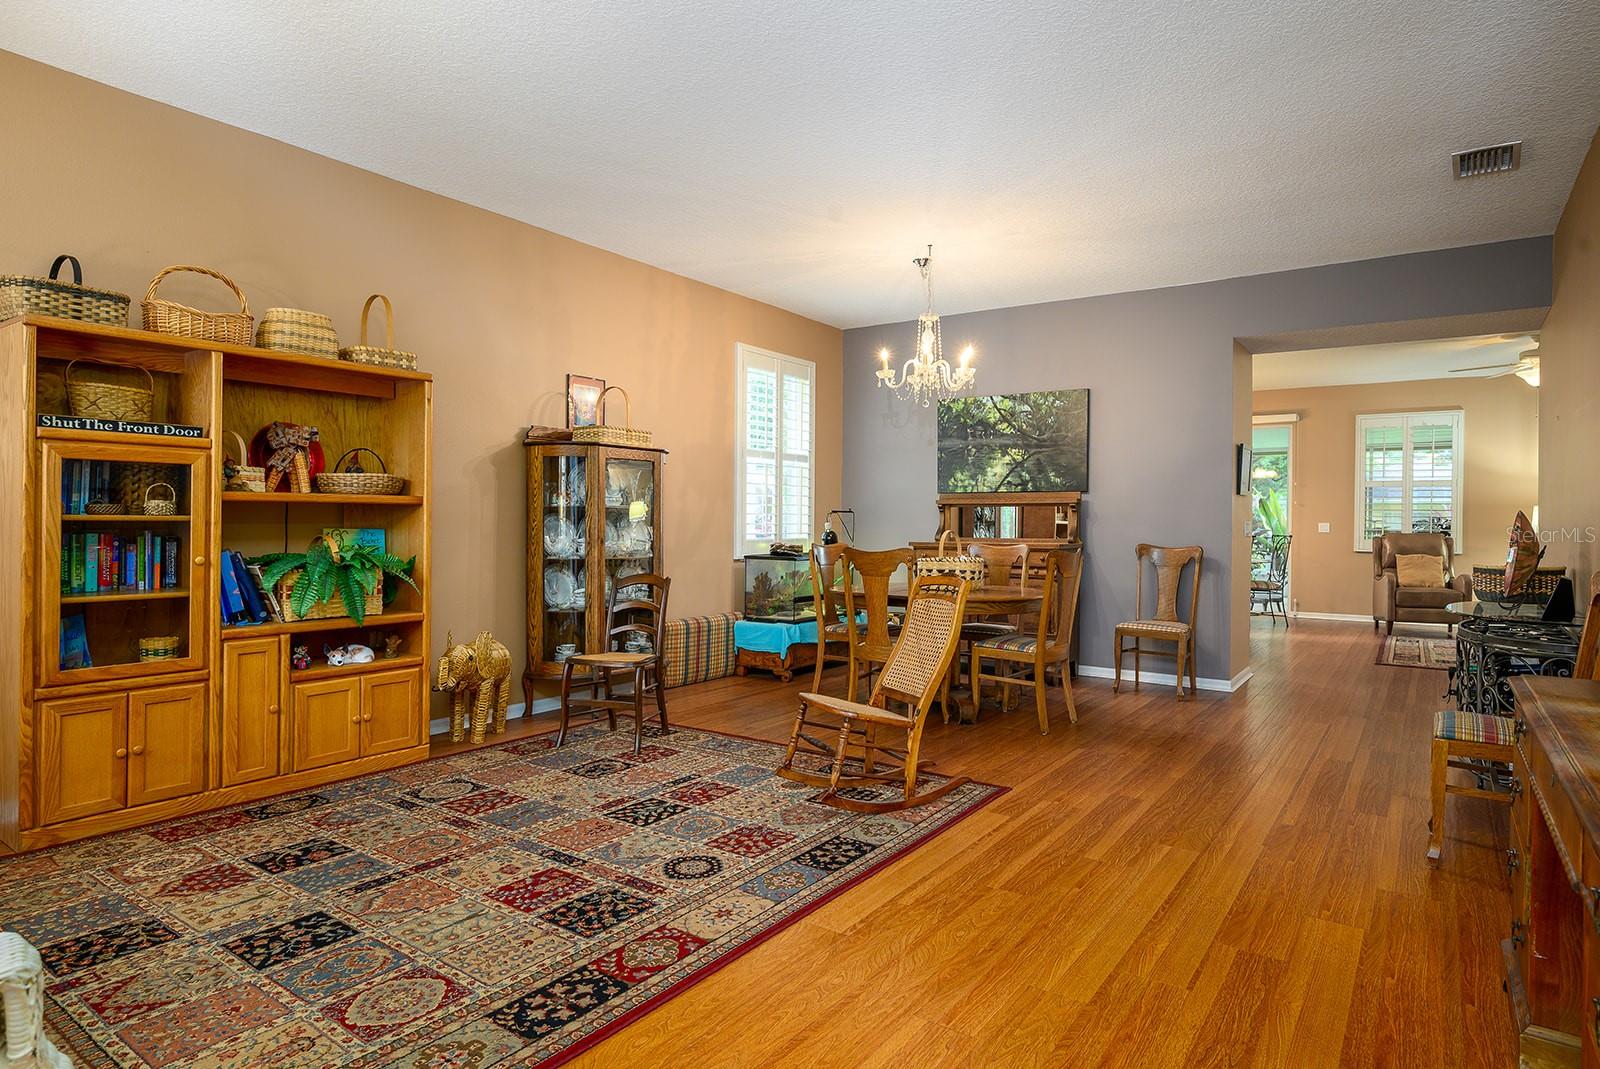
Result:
x=358 y=573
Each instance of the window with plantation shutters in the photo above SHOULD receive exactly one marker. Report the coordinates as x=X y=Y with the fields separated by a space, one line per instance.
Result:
x=775 y=467
x=1408 y=474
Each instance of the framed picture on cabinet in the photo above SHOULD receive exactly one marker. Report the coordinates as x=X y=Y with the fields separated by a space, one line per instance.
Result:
x=584 y=406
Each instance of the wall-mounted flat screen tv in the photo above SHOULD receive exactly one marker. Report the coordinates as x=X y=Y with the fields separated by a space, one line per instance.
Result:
x=1014 y=443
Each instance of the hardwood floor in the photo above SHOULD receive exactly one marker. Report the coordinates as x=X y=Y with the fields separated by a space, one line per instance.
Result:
x=1235 y=881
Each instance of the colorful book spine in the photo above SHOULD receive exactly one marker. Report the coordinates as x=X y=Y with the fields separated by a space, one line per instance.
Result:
x=106 y=558
x=91 y=563
x=169 y=562
x=75 y=553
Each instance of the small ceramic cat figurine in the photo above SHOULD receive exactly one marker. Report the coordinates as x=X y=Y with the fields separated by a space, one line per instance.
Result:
x=354 y=653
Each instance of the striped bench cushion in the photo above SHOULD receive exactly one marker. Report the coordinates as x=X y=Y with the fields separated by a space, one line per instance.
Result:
x=1458 y=726
x=1016 y=643
x=697 y=648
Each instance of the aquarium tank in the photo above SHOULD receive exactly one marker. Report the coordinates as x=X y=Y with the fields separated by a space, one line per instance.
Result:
x=777 y=589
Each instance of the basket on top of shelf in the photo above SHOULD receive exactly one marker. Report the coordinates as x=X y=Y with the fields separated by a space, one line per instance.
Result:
x=386 y=355
x=601 y=434
x=353 y=479
x=170 y=317
x=294 y=330
x=159 y=647
x=241 y=475
x=53 y=296
x=109 y=400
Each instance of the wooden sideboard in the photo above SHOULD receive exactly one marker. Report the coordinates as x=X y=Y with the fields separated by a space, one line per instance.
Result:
x=1552 y=949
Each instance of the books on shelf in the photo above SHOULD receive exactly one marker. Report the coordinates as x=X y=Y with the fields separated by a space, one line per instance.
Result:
x=99 y=562
x=75 y=642
x=246 y=599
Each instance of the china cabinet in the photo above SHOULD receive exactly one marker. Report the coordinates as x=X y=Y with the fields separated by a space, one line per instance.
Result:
x=593 y=515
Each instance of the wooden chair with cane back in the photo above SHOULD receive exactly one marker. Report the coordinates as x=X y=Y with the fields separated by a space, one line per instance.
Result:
x=833 y=636
x=1164 y=625
x=912 y=674
x=627 y=616
x=871 y=641
x=1047 y=647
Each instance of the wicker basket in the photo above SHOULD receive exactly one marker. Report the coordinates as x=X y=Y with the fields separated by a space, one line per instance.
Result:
x=294 y=330
x=604 y=435
x=973 y=569
x=1490 y=582
x=32 y=295
x=103 y=508
x=325 y=610
x=242 y=477
x=353 y=480
x=159 y=647
x=388 y=355
x=133 y=480
x=161 y=506
x=170 y=317
x=109 y=400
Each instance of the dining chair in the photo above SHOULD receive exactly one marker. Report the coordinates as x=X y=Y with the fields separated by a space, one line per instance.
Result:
x=872 y=640
x=1268 y=590
x=1048 y=647
x=912 y=674
x=828 y=598
x=628 y=615
x=1164 y=625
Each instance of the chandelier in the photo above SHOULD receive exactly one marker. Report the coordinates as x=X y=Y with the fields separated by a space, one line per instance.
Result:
x=927 y=376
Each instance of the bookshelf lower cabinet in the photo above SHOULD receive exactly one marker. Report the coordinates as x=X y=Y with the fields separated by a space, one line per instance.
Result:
x=83 y=753
x=166 y=742
x=389 y=702
x=327 y=722
x=253 y=672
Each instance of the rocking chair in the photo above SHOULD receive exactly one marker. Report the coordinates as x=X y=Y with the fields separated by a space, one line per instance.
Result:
x=915 y=669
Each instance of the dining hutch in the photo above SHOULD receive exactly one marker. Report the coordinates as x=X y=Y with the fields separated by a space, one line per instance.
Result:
x=593 y=515
x=101 y=739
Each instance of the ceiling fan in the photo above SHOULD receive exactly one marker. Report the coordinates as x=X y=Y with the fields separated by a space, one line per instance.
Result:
x=1525 y=368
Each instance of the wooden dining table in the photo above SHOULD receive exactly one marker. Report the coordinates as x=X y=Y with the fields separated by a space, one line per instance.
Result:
x=982 y=601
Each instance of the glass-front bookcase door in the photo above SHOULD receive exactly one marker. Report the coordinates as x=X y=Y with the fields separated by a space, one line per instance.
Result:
x=562 y=549
x=124 y=530
x=630 y=520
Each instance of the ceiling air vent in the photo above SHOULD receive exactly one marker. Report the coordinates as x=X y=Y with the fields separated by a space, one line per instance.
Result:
x=1490 y=160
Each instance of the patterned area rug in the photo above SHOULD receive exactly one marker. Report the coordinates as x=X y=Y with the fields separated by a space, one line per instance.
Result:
x=506 y=906
x=1406 y=651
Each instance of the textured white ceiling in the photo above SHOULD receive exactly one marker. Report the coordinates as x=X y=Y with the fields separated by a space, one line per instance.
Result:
x=804 y=153
x=1394 y=362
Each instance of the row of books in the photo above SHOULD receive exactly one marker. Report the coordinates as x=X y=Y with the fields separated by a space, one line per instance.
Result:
x=86 y=481
x=104 y=563
x=245 y=598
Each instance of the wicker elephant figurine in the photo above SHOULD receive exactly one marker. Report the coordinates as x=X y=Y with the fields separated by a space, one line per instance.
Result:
x=476 y=673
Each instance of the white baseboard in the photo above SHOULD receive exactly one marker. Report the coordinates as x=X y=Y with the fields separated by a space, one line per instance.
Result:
x=1346 y=616
x=513 y=712
x=1168 y=679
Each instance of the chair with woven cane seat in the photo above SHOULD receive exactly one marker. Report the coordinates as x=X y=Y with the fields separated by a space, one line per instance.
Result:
x=1466 y=740
x=1048 y=647
x=833 y=636
x=913 y=673
x=629 y=614
x=1164 y=625
x=872 y=641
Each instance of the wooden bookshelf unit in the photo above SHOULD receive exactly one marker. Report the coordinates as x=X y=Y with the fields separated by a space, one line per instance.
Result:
x=100 y=740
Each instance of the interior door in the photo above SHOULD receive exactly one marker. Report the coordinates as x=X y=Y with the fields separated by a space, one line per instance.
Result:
x=391 y=715
x=252 y=709
x=83 y=756
x=327 y=722
x=166 y=742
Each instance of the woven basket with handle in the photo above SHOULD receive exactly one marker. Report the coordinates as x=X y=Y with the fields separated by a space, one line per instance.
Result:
x=294 y=330
x=973 y=569
x=109 y=400
x=604 y=435
x=170 y=317
x=387 y=355
x=242 y=476
x=161 y=506
x=53 y=296
x=352 y=479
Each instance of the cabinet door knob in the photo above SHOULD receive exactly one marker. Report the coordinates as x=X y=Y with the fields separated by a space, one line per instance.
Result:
x=356 y=719
x=121 y=753
x=274 y=709
x=137 y=750
x=199 y=562
x=366 y=718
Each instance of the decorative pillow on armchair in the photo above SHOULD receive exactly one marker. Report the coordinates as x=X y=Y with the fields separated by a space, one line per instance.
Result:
x=1419 y=569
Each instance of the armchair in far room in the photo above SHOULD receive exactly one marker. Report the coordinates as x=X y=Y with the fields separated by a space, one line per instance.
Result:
x=1414 y=591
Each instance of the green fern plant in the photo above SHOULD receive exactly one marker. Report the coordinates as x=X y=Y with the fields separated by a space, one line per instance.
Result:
x=352 y=571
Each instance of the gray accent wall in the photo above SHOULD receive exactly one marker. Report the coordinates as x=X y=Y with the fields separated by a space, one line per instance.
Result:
x=1161 y=370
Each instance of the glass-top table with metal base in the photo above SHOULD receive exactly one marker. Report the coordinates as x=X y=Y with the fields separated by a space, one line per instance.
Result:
x=1498 y=640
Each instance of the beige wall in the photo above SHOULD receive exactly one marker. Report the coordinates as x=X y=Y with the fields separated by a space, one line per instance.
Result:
x=1569 y=344
x=1501 y=426
x=498 y=312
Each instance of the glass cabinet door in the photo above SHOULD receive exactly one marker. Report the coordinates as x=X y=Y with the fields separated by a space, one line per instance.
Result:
x=124 y=528
x=631 y=528
x=564 y=535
